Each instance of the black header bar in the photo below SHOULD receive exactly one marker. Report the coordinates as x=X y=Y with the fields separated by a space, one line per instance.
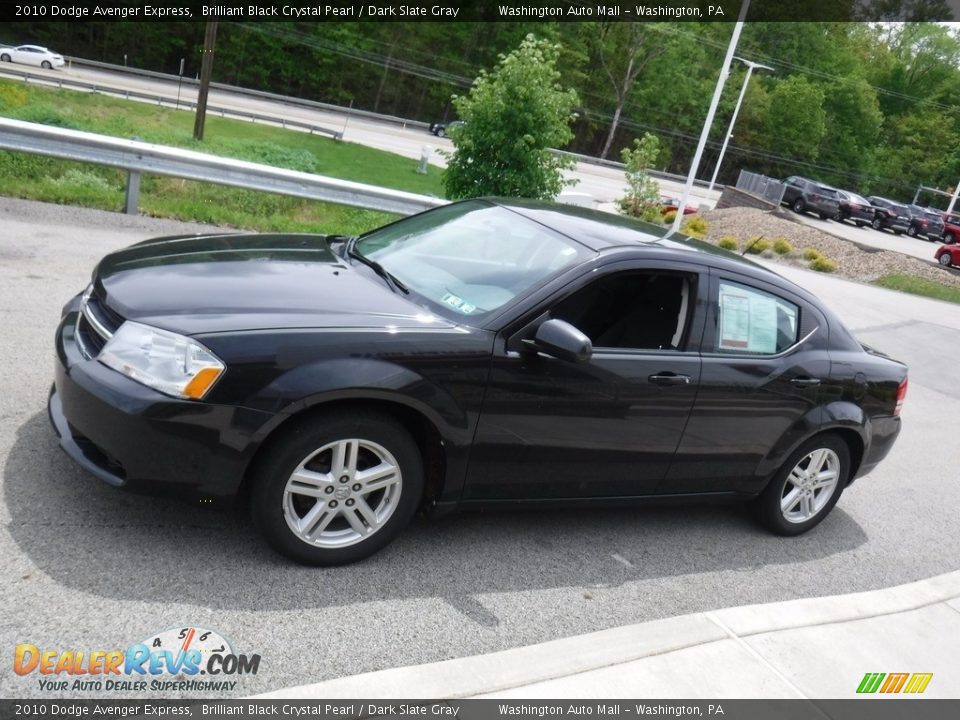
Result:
x=479 y=10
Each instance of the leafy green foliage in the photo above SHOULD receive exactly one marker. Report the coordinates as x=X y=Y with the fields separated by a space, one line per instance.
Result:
x=782 y=246
x=757 y=246
x=812 y=254
x=513 y=117
x=643 y=194
x=695 y=226
x=728 y=242
x=823 y=264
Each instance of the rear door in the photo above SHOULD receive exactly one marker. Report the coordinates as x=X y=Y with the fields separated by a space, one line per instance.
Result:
x=764 y=356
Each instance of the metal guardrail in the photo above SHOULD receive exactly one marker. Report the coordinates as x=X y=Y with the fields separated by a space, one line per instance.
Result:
x=655 y=174
x=140 y=157
x=768 y=188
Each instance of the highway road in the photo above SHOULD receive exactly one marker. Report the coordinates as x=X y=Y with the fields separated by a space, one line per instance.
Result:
x=89 y=567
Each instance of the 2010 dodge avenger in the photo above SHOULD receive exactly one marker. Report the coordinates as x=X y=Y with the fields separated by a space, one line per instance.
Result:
x=485 y=353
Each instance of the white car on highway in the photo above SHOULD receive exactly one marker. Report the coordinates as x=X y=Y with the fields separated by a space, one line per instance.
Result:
x=31 y=55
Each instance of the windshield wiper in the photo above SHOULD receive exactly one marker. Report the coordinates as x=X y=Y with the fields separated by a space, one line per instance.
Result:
x=379 y=269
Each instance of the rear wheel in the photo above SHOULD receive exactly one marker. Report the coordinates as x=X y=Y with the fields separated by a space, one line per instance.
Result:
x=806 y=488
x=912 y=231
x=337 y=489
x=5 y=57
x=877 y=224
x=799 y=206
x=949 y=238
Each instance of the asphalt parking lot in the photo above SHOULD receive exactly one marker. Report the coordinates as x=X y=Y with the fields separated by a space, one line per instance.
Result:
x=86 y=566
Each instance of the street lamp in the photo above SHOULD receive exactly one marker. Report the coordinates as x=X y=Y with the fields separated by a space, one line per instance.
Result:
x=751 y=66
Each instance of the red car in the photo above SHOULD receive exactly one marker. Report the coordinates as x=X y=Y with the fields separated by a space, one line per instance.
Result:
x=948 y=255
x=951 y=228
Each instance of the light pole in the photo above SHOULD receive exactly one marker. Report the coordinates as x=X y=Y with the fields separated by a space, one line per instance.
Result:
x=751 y=66
x=708 y=123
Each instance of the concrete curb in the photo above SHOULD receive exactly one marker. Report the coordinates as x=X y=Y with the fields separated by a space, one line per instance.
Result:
x=518 y=667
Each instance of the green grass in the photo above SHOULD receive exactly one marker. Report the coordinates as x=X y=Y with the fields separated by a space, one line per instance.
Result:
x=51 y=180
x=920 y=286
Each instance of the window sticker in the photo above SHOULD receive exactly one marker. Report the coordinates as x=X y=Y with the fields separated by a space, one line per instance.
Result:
x=748 y=320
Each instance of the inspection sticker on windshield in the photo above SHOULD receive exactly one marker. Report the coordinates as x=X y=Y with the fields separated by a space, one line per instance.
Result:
x=451 y=300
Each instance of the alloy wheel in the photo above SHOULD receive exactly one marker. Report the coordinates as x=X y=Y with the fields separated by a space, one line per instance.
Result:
x=342 y=493
x=810 y=485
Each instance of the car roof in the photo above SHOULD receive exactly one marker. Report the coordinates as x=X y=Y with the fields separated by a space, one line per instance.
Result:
x=603 y=231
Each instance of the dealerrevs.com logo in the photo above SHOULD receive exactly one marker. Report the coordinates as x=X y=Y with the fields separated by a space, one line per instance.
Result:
x=172 y=660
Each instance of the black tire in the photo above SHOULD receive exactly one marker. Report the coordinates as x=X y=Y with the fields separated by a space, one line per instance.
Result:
x=949 y=238
x=946 y=260
x=441 y=132
x=46 y=65
x=877 y=224
x=912 y=231
x=5 y=58
x=799 y=205
x=271 y=504
x=767 y=506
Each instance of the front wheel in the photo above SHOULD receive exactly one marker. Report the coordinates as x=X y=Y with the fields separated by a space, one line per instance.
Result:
x=337 y=489
x=806 y=488
x=912 y=231
x=945 y=259
x=876 y=224
x=46 y=65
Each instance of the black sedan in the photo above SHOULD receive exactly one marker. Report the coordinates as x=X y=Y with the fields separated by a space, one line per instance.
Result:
x=483 y=354
x=854 y=207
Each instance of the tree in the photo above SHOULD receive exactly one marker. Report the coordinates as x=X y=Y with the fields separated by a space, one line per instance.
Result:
x=513 y=116
x=796 y=122
x=642 y=198
x=622 y=50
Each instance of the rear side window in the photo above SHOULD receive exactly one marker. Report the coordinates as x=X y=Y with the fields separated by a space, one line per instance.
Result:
x=754 y=322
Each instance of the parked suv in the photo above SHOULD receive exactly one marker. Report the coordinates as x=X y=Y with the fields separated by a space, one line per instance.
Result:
x=924 y=222
x=889 y=215
x=804 y=195
x=951 y=228
x=854 y=207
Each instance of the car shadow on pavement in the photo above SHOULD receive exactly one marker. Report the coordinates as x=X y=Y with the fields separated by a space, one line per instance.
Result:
x=98 y=540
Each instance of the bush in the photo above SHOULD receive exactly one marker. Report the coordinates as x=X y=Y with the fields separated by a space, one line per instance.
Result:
x=89 y=180
x=811 y=254
x=695 y=226
x=669 y=216
x=728 y=242
x=823 y=264
x=781 y=246
x=643 y=192
x=513 y=118
x=757 y=245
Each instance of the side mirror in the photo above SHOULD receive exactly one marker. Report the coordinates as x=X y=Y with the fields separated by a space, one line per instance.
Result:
x=561 y=340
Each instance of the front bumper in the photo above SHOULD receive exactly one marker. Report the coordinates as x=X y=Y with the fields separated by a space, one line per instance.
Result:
x=131 y=436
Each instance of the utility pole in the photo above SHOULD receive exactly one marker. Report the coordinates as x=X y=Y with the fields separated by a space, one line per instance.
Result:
x=206 y=70
x=705 y=133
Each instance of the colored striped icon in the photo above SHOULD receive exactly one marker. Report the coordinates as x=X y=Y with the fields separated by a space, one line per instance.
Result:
x=913 y=683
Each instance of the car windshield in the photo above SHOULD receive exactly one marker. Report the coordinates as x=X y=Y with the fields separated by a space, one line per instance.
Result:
x=471 y=258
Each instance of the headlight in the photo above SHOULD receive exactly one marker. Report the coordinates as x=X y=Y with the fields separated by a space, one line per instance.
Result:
x=171 y=363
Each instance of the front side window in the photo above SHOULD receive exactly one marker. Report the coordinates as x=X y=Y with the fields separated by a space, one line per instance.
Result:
x=754 y=322
x=471 y=258
x=632 y=310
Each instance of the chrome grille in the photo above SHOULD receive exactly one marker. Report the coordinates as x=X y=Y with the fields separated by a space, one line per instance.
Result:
x=96 y=323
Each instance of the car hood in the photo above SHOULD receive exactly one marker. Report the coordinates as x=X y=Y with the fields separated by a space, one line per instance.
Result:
x=223 y=283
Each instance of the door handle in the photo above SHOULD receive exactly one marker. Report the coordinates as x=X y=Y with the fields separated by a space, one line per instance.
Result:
x=669 y=378
x=805 y=382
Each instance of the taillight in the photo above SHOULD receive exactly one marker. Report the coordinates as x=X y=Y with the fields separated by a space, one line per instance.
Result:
x=901 y=396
